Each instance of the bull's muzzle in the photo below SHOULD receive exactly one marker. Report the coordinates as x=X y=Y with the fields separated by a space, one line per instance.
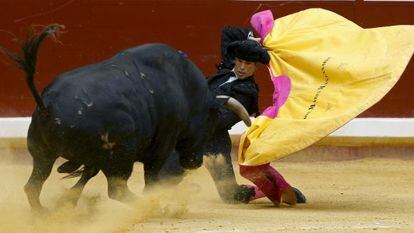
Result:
x=191 y=162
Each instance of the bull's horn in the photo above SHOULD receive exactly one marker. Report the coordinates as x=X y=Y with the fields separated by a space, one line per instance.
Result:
x=235 y=106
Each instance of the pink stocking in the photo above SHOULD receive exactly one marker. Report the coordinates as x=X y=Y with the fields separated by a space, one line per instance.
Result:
x=270 y=182
x=258 y=193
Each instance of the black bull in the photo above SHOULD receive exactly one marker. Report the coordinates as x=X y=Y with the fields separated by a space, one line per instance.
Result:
x=143 y=104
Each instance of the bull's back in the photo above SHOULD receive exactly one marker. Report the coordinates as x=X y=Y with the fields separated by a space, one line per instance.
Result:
x=172 y=65
x=133 y=76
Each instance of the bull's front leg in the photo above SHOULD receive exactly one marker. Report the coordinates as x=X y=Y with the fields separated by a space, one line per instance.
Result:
x=154 y=164
x=151 y=172
x=152 y=169
x=171 y=172
x=117 y=168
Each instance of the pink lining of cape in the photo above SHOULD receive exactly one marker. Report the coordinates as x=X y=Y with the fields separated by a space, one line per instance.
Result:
x=262 y=22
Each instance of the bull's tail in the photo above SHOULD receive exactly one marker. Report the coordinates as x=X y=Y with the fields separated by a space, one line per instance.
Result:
x=28 y=57
x=75 y=169
x=75 y=173
x=87 y=172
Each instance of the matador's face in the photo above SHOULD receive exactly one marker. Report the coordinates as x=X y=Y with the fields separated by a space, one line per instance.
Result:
x=243 y=68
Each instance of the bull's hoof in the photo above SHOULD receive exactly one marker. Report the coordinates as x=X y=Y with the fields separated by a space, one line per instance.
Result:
x=124 y=196
x=243 y=194
x=68 y=200
x=40 y=211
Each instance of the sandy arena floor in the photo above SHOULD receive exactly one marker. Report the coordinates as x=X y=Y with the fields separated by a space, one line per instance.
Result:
x=362 y=195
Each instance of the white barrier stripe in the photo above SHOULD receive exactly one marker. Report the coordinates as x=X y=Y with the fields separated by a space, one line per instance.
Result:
x=293 y=0
x=321 y=1
x=389 y=1
x=359 y=127
x=15 y=127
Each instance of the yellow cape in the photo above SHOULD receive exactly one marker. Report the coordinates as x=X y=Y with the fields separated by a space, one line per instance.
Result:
x=336 y=69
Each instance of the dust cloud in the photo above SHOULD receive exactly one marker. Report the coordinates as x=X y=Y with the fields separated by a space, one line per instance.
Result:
x=365 y=194
x=95 y=212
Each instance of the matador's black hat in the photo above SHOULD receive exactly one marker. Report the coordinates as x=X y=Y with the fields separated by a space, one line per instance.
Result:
x=248 y=50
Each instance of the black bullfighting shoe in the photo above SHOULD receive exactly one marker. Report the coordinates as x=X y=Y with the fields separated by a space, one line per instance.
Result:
x=299 y=196
x=288 y=196
x=244 y=193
